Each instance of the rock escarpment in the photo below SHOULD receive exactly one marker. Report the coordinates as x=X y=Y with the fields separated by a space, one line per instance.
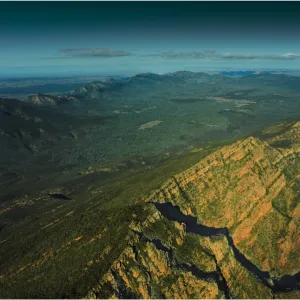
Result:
x=251 y=188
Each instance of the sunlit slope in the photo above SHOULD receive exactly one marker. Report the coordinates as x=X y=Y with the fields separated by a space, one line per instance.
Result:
x=252 y=189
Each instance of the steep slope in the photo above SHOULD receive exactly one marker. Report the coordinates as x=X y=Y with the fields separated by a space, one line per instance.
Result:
x=245 y=188
x=226 y=227
x=248 y=188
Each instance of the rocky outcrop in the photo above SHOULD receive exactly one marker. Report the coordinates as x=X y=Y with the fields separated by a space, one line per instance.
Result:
x=149 y=269
x=50 y=100
x=250 y=189
x=184 y=266
x=246 y=188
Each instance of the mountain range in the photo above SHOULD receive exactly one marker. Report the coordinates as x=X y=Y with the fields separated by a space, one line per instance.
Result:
x=183 y=185
x=93 y=90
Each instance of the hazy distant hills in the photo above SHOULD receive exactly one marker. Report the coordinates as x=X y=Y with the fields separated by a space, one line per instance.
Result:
x=94 y=90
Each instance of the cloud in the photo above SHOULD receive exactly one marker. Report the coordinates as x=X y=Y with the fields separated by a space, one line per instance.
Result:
x=73 y=50
x=258 y=56
x=291 y=55
x=179 y=55
x=91 y=52
x=66 y=53
x=237 y=56
x=209 y=52
x=229 y=56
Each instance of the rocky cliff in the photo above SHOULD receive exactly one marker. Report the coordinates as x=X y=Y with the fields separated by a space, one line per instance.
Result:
x=251 y=189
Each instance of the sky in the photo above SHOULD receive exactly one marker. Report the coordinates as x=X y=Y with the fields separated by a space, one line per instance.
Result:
x=125 y=38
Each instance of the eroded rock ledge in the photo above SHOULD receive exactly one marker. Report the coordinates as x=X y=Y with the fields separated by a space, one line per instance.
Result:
x=250 y=189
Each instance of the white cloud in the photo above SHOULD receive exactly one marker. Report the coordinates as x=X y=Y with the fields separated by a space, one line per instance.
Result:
x=291 y=55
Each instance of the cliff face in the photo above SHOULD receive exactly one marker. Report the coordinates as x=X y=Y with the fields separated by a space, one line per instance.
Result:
x=176 y=264
x=250 y=188
x=226 y=227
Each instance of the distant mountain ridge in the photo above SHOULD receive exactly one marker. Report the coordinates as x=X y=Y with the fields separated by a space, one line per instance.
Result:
x=92 y=90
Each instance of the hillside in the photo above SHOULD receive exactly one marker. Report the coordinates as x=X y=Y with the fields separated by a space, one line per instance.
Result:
x=216 y=223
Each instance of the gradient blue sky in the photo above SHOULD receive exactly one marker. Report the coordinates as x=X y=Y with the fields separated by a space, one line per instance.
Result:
x=83 y=38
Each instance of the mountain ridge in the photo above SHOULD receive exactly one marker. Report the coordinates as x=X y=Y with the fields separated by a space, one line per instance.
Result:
x=93 y=90
x=176 y=191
